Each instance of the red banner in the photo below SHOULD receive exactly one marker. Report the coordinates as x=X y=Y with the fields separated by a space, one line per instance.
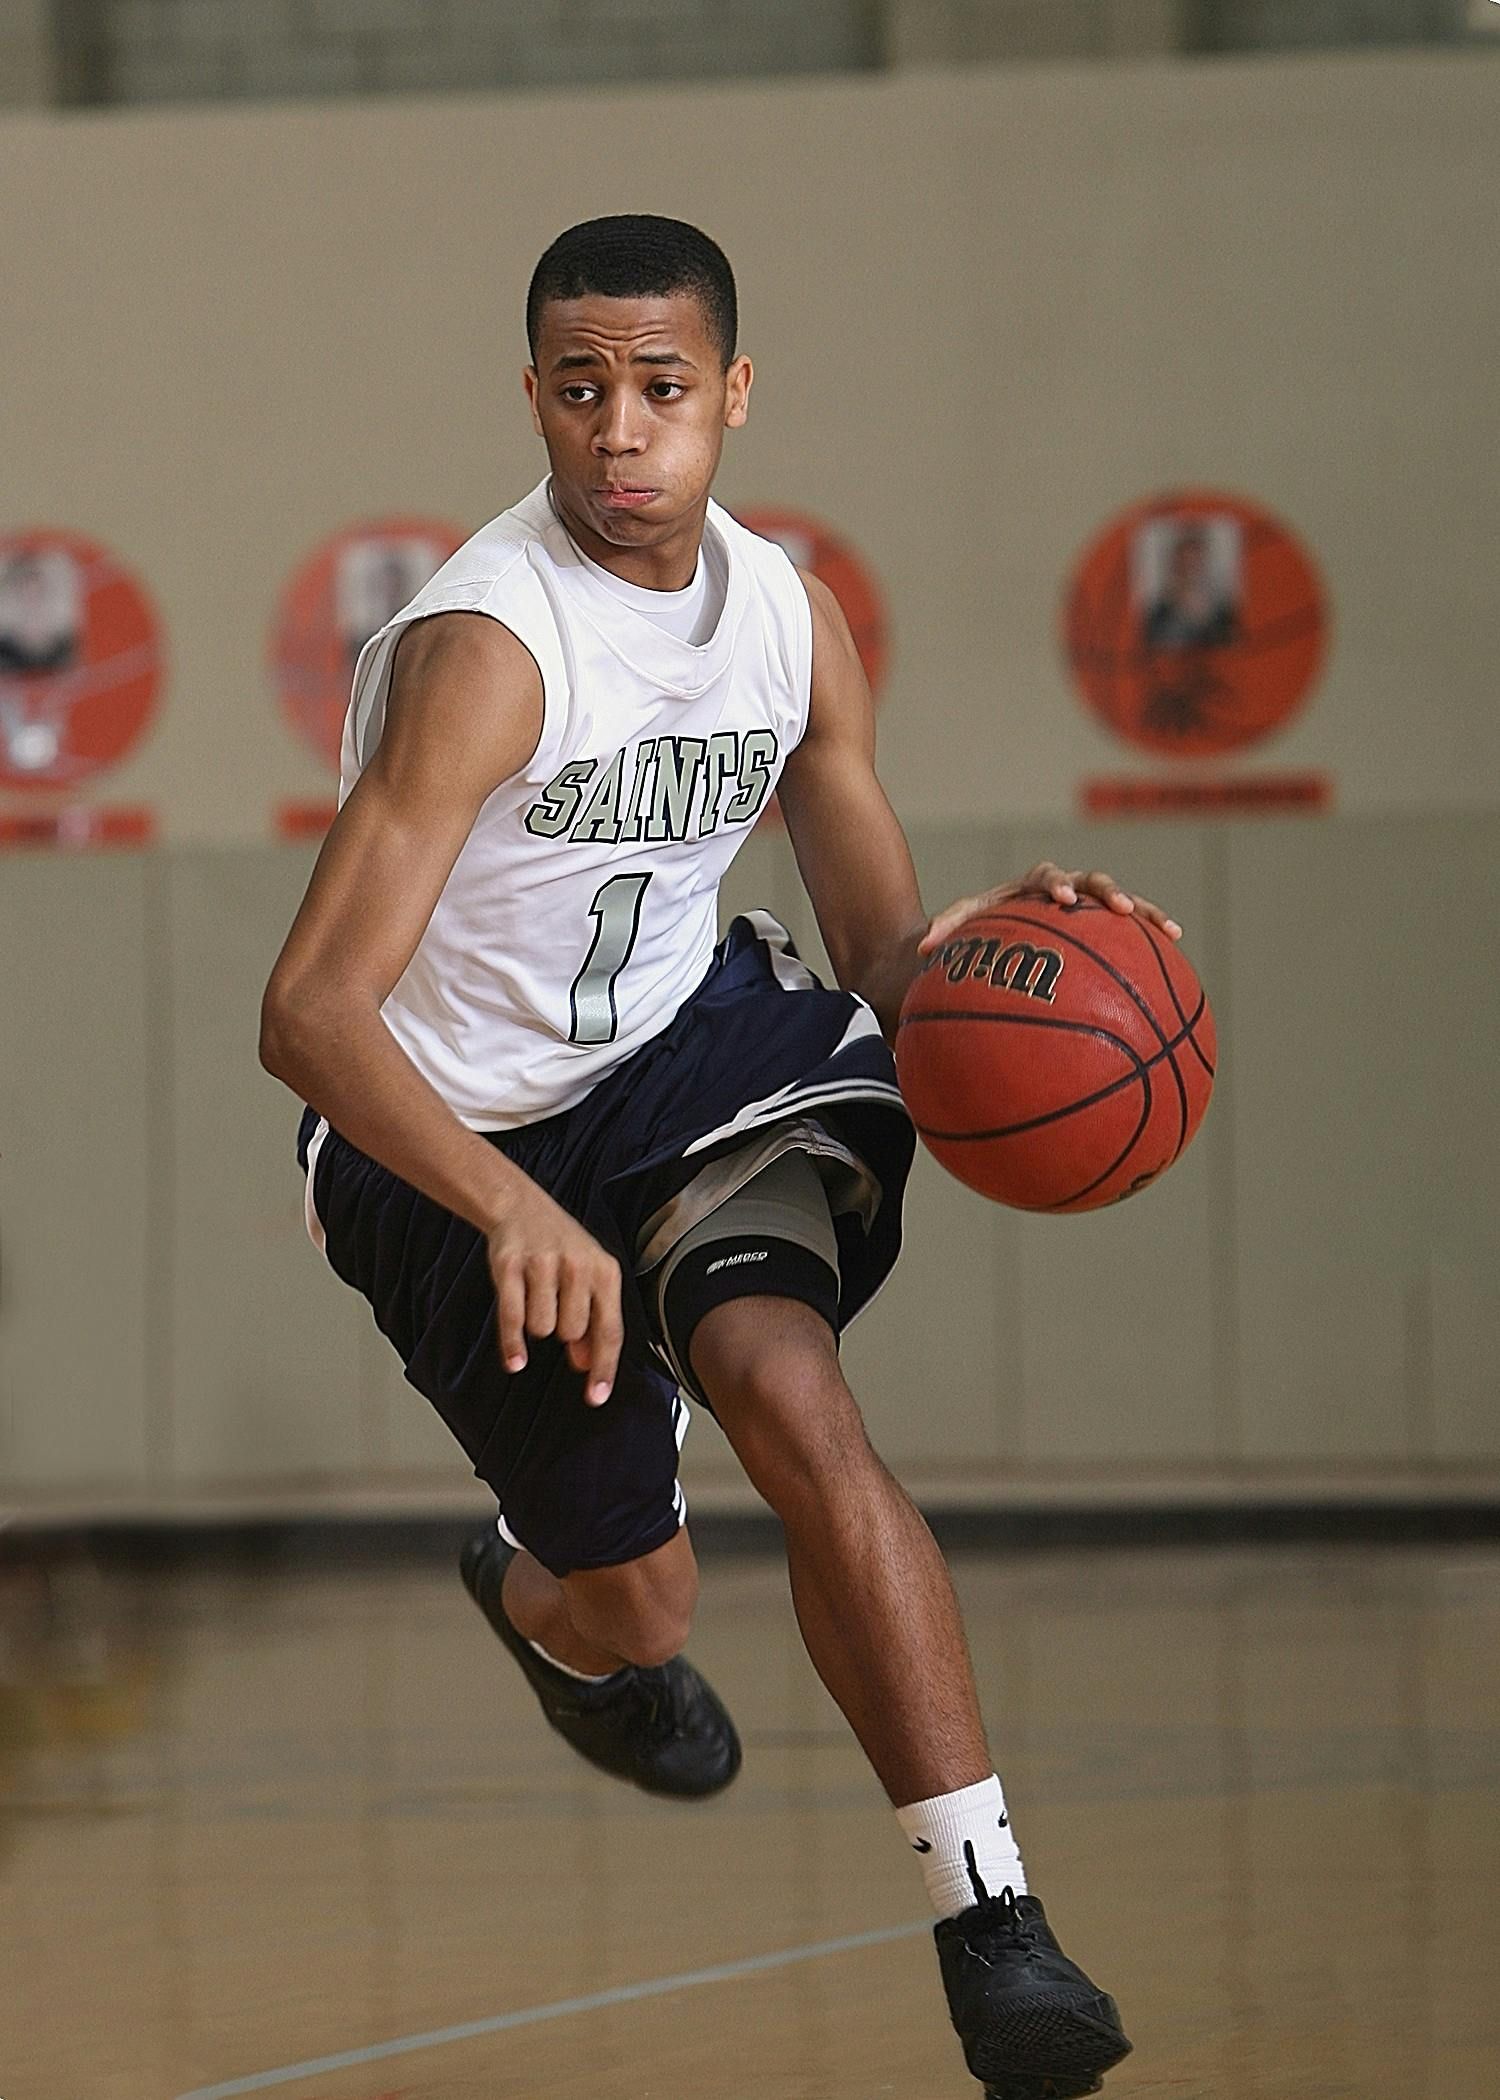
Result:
x=1248 y=795
x=77 y=828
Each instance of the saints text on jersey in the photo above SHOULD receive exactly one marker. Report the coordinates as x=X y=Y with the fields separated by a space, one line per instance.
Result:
x=659 y=788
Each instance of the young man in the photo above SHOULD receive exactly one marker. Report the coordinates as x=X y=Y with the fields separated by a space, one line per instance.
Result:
x=545 y=1103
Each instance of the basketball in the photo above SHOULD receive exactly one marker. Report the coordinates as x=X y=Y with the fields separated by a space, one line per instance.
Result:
x=1056 y=1057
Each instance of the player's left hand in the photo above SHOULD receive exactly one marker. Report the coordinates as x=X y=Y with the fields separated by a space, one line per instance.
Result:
x=1046 y=879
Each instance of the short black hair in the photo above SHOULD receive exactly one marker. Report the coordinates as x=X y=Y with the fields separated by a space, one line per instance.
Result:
x=636 y=255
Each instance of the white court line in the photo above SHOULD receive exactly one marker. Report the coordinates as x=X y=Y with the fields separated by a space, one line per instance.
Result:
x=563 y=2008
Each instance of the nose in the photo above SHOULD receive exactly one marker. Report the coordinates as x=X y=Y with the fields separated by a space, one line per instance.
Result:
x=620 y=430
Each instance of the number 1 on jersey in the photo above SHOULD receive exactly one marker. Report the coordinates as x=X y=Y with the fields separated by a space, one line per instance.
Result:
x=616 y=913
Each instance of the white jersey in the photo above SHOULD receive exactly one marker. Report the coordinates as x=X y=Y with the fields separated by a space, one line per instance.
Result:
x=583 y=909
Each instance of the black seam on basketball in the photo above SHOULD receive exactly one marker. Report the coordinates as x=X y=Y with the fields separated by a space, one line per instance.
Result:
x=1077 y=1195
x=966 y=1013
x=1147 y=1098
x=1149 y=938
x=1182 y=1100
x=1192 y=1032
x=1199 y=1010
x=1190 y=1023
x=1005 y=912
x=1187 y=1037
x=1047 y=926
x=1051 y=1115
x=1143 y=1068
x=1181 y=1085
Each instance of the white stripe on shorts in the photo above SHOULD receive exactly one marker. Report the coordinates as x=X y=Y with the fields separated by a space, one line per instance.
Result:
x=314 y=1223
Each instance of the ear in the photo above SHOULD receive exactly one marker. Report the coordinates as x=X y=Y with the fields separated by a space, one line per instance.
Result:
x=737 y=384
x=533 y=386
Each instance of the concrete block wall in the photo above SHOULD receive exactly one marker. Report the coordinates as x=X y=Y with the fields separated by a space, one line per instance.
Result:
x=958 y=32
x=27 y=77
x=1287 y=25
x=147 y=51
x=176 y=50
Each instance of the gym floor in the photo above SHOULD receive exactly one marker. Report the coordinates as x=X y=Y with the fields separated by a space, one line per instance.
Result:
x=272 y=1829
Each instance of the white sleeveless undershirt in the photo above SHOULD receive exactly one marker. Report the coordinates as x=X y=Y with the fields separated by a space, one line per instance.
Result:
x=692 y=613
x=583 y=909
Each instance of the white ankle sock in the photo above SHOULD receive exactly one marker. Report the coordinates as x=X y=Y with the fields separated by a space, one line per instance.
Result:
x=940 y=1829
x=579 y=1675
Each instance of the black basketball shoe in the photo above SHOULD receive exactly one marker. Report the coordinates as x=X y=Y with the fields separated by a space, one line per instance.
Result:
x=1032 y=2024
x=664 y=1729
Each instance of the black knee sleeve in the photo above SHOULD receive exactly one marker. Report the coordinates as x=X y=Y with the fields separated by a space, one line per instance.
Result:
x=744 y=1265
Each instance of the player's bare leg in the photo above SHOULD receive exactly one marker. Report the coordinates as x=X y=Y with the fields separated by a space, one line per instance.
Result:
x=877 y=1611
x=599 y=1648
x=872 y=1592
x=599 y=1619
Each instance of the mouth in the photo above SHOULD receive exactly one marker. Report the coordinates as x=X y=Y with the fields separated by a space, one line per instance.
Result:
x=615 y=497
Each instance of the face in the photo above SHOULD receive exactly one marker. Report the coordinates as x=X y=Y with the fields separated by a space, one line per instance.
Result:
x=632 y=401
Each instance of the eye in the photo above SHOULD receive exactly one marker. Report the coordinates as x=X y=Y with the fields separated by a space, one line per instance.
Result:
x=577 y=391
x=666 y=389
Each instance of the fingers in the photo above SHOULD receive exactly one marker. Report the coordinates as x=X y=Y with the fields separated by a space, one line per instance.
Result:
x=578 y=1301
x=1109 y=892
x=1095 y=883
x=1062 y=886
x=510 y=1306
x=541 y=1294
x=947 y=922
x=1052 y=882
x=1145 y=909
x=1101 y=887
x=1046 y=879
x=573 y=1300
x=604 y=1340
x=595 y=1349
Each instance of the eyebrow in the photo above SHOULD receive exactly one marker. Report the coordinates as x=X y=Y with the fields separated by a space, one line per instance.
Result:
x=578 y=360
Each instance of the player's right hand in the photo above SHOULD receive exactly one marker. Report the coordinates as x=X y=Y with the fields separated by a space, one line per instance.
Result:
x=552 y=1277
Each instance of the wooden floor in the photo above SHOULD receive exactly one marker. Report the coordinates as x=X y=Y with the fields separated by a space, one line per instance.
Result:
x=258 y=1830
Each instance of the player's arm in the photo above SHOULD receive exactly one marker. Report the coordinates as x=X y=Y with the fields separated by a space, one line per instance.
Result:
x=463 y=715
x=851 y=850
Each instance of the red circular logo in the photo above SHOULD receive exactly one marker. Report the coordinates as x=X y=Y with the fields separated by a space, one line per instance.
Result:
x=80 y=659
x=811 y=545
x=342 y=594
x=1196 y=623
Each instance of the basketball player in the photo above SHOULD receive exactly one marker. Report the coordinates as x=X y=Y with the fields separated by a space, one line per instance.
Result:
x=582 y=1161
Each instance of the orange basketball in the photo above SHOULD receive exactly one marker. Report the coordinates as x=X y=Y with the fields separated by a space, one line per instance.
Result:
x=1056 y=1057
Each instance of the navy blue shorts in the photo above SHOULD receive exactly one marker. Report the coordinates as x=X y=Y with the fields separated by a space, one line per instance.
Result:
x=761 y=1043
